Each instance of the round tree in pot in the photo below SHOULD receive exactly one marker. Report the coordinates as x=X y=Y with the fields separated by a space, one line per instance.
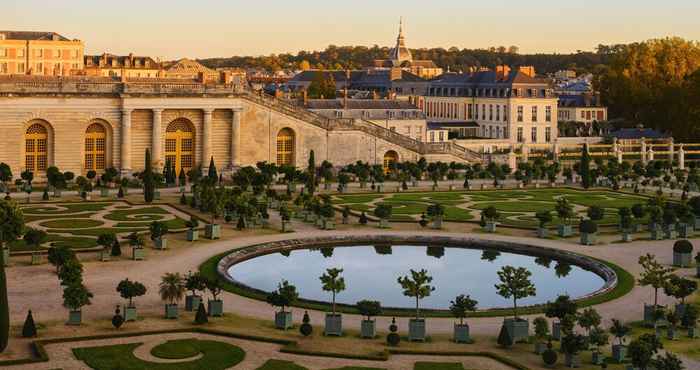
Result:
x=515 y=283
x=558 y=309
x=682 y=253
x=460 y=307
x=417 y=285
x=128 y=289
x=75 y=297
x=333 y=282
x=588 y=230
x=285 y=295
x=620 y=331
x=194 y=282
x=369 y=309
x=158 y=230
x=215 y=306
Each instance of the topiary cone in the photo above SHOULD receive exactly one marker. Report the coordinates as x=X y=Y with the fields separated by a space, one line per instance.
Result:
x=201 y=316
x=29 y=328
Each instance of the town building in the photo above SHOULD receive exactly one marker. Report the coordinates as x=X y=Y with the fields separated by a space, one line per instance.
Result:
x=400 y=57
x=384 y=82
x=82 y=123
x=504 y=103
x=395 y=115
x=584 y=108
x=129 y=66
x=39 y=53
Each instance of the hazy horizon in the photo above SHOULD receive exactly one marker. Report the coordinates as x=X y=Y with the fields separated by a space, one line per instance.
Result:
x=217 y=28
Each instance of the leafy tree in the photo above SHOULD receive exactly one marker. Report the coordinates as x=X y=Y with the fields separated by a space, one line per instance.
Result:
x=680 y=287
x=11 y=227
x=461 y=306
x=653 y=274
x=106 y=239
x=285 y=296
x=59 y=255
x=417 y=286
x=564 y=209
x=544 y=217
x=595 y=213
x=589 y=319
x=620 y=330
x=149 y=185
x=332 y=282
x=369 y=308
x=76 y=296
x=516 y=284
x=128 y=289
x=561 y=307
x=643 y=349
x=668 y=361
x=71 y=272
x=172 y=287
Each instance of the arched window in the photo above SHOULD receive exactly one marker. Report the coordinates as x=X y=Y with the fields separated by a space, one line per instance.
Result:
x=285 y=147
x=95 y=147
x=390 y=159
x=36 y=148
x=179 y=144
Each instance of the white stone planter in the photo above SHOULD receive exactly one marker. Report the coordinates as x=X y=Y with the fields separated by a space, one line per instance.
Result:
x=192 y=235
x=215 y=308
x=564 y=231
x=160 y=243
x=416 y=330
x=130 y=314
x=171 y=311
x=283 y=320
x=334 y=324
x=368 y=329
x=212 y=231
x=192 y=302
x=460 y=333
x=75 y=317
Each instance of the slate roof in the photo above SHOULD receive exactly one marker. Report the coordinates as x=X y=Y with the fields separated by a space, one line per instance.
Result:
x=360 y=104
x=185 y=65
x=486 y=77
x=121 y=59
x=578 y=101
x=638 y=133
x=32 y=35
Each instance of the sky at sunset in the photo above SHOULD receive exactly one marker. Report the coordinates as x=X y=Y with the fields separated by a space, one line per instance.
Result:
x=211 y=28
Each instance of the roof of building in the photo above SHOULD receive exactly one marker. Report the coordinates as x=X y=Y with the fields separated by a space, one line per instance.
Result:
x=129 y=61
x=433 y=125
x=357 y=76
x=360 y=104
x=33 y=36
x=400 y=52
x=577 y=86
x=185 y=65
x=579 y=101
x=487 y=77
x=638 y=133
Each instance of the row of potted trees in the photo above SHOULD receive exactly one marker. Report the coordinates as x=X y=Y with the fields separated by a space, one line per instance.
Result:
x=173 y=288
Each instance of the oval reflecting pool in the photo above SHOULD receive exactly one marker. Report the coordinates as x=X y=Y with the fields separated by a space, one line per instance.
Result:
x=371 y=273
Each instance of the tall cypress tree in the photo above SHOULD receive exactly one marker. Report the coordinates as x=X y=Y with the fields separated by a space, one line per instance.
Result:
x=311 y=169
x=11 y=226
x=149 y=186
x=585 y=167
x=212 y=171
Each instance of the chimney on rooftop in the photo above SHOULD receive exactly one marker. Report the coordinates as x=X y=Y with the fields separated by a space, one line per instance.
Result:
x=502 y=72
x=528 y=70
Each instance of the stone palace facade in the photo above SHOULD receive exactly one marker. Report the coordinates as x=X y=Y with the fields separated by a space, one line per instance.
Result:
x=91 y=123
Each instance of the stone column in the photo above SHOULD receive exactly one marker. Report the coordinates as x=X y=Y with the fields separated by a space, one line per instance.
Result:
x=643 y=151
x=236 y=138
x=557 y=151
x=126 y=142
x=650 y=154
x=206 y=138
x=681 y=158
x=156 y=145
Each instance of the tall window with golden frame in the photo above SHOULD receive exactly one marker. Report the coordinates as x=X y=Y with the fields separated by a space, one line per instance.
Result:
x=285 y=147
x=179 y=145
x=95 y=147
x=36 y=148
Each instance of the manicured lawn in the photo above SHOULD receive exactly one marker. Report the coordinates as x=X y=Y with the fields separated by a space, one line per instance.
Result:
x=50 y=209
x=215 y=356
x=517 y=207
x=69 y=223
x=280 y=365
x=437 y=366
x=137 y=214
x=176 y=349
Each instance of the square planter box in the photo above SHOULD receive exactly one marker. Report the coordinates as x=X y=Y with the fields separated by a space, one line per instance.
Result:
x=138 y=254
x=564 y=231
x=287 y=226
x=542 y=232
x=212 y=231
x=626 y=237
x=57 y=193
x=649 y=314
x=192 y=302
x=540 y=347
x=384 y=223
x=556 y=330
x=36 y=258
x=368 y=329
x=328 y=225
x=192 y=235
x=416 y=330
x=130 y=314
x=283 y=320
x=156 y=195
x=572 y=361
x=104 y=192
x=379 y=188
x=672 y=333
x=75 y=317
x=588 y=238
x=619 y=353
x=105 y=255
x=518 y=329
x=437 y=223
x=215 y=307
x=171 y=311
x=461 y=333
x=693 y=333
x=334 y=324
x=685 y=230
x=160 y=243
x=6 y=256
x=490 y=227
x=682 y=259
x=597 y=358
x=636 y=228
x=414 y=184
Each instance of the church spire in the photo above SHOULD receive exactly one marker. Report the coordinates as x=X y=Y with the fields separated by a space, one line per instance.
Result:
x=400 y=53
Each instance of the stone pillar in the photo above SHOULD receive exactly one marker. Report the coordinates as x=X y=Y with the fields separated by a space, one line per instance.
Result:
x=157 y=140
x=236 y=138
x=557 y=151
x=617 y=151
x=206 y=138
x=681 y=158
x=650 y=154
x=643 y=151
x=126 y=142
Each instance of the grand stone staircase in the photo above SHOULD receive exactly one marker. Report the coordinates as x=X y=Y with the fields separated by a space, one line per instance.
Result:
x=352 y=124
